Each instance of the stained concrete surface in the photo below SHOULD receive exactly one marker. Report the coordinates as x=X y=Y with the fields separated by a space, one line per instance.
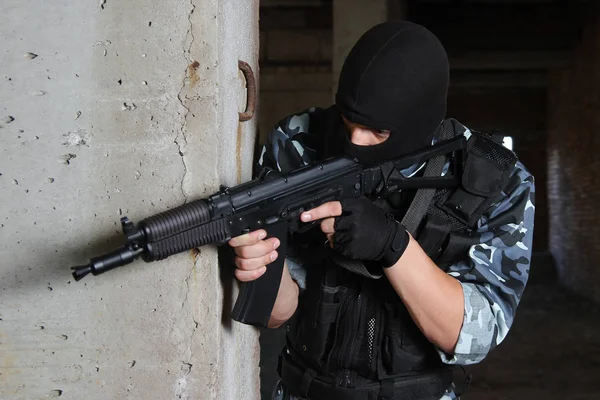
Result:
x=112 y=119
x=551 y=353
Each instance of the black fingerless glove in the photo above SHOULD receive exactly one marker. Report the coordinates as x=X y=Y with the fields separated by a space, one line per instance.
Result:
x=365 y=232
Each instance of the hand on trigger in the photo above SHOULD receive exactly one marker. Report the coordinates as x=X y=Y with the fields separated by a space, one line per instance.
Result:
x=360 y=230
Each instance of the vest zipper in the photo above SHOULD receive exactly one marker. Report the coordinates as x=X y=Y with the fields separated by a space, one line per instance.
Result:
x=347 y=381
x=356 y=329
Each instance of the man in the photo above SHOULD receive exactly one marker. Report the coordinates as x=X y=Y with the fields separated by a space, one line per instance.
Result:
x=420 y=306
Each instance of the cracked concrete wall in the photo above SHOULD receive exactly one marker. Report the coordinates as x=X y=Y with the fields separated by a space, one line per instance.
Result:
x=108 y=109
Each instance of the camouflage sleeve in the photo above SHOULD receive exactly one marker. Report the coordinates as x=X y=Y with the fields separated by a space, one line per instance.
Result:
x=494 y=275
x=287 y=148
x=288 y=145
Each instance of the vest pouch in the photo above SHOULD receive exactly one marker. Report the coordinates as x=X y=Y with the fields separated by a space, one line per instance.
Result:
x=456 y=248
x=403 y=345
x=433 y=235
x=315 y=334
x=486 y=172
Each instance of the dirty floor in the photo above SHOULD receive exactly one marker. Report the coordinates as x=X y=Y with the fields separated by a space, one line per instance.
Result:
x=552 y=352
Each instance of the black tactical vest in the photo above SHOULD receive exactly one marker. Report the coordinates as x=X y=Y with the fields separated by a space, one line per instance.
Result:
x=352 y=337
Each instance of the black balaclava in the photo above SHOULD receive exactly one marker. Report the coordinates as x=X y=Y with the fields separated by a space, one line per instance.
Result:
x=395 y=78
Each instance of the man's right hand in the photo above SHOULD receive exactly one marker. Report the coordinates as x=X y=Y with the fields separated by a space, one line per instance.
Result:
x=253 y=254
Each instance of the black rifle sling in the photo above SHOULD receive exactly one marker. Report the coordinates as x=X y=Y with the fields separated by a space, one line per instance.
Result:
x=415 y=214
x=420 y=204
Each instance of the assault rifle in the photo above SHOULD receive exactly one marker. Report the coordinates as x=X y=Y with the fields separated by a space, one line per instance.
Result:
x=273 y=202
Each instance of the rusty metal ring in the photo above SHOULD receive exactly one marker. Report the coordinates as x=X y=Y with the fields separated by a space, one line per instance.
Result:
x=251 y=92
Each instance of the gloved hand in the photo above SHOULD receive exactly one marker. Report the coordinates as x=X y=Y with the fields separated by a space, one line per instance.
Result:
x=365 y=232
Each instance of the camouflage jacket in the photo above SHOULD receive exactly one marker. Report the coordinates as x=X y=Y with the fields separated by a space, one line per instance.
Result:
x=493 y=274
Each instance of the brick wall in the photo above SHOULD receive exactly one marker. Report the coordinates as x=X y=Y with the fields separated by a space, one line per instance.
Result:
x=295 y=62
x=286 y=90
x=521 y=113
x=574 y=164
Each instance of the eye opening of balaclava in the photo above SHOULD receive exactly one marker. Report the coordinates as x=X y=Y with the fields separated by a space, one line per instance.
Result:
x=395 y=78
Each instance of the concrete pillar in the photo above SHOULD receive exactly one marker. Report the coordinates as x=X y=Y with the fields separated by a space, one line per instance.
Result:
x=352 y=18
x=107 y=109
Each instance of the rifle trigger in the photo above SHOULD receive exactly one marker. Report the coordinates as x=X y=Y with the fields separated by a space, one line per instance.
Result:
x=307 y=226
